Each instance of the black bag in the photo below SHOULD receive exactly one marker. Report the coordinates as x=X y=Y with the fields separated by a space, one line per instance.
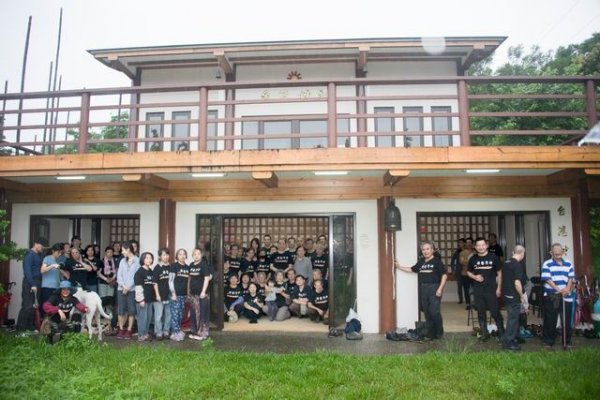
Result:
x=422 y=328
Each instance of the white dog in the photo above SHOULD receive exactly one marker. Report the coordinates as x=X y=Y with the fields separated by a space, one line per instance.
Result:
x=94 y=304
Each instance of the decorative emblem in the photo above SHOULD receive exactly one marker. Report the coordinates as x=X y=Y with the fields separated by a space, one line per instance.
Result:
x=294 y=76
x=561 y=211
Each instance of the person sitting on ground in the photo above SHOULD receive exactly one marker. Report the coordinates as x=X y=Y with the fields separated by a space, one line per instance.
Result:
x=253 y=304
x=300 y=298
x=290 y=283
x=318 y=306
x=317 y=275
x=59 y=308
x=234 y=301
x=281 y=310
x=245 y=284
x=261 y=283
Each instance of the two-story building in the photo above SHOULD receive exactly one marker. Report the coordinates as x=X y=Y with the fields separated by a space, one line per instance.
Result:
x=220 y=143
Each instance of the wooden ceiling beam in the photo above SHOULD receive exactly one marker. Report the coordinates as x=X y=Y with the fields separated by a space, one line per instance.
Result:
x=393 y=176
x=223 y=62
x=363 y=58
x=14 y=185
x=592 y=171
x=477 y=53
x=267 y=178
x=151 y=180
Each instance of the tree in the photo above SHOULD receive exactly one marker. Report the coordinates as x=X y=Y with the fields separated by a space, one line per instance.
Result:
x=8 y=249
x=577 y=59
x=108 y=132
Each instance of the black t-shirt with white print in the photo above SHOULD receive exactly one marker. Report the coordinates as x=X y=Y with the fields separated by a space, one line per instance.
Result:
x=78 y=273
x=429 y=271
x=320 y=300
x=232 y=294
x=281 y=260
x=65 y=304
x=253 y=301
x=234 y=265
x=248 y=267
x=321 y=263
x=144 y=278
x=198 y=271
x=303 y=293
x=263 y=266
x=486 y=266
x=160 y=276
x=182 y=273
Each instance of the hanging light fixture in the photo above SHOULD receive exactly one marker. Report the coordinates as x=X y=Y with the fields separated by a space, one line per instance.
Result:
x=392 y=217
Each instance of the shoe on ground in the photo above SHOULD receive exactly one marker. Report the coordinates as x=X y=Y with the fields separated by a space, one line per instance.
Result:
x=253 y=321
x=520 y=340
x=511 y=347
x=468 y=307
x=127 y=335
x=159 y=337
x=195 y=337
x=173 y=337
x=143 y=338
x=484 y=337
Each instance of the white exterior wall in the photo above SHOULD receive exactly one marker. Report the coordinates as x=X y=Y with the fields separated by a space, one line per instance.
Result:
x=366 y=241
x=244 y=73
x=406 y=239
x=148 y=213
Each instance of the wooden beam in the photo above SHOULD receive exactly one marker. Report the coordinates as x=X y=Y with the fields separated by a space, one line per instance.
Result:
x=223 y=62
x=592 y=171
x=269 y=179
x=393 y=176
x=363 y=57
x=477 y=53
x=14 y=185
x=152 y=180
x=119 y=66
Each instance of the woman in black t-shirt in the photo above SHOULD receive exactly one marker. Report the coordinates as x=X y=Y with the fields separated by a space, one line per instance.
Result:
x=77 y=269
x=178 y=285
x=160 y=280
x=94 y=262
x=144 y=295
x=253 y=304
x=198 y=281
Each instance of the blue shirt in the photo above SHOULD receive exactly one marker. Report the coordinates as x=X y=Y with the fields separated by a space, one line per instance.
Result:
x=50 y=279
x=126 y=273
x=557 y=273
x=32 y=264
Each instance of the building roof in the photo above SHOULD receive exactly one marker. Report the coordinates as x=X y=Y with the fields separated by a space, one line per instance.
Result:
x=462 y=50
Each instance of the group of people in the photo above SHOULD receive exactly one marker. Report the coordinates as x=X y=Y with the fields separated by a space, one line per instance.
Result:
x=479 y=263
x=140 y=289
x=277 y=280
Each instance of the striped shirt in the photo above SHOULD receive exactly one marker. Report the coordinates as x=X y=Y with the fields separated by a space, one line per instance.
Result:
x=559 y=274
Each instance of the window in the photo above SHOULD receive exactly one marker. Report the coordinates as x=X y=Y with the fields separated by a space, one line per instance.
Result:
x=250 y=128
x=155 y=131
x=277 y=128
x=442 y=123
x=181 y=130
x=310 y=127
x=385 y=124
x=413 y=124
x=212 y=131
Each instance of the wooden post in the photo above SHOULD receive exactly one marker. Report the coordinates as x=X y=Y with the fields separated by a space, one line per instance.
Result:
x=331 y=116
x=463 y=110
x=590 y=92
x=387 y=304
x=229 y=113
x=166 y=225
x=361 y=106
x=203 y=119
x=84 y=122
x=5 y=204
x=582 y=248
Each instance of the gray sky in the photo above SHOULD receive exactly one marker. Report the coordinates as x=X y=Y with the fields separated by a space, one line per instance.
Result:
x=89 y=24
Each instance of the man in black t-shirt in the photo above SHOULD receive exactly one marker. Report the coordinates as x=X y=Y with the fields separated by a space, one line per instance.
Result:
x=300 y=295
x=233 y=261
x=318 y=307
x=234 y=301
x=320 y=260
x=432 y=279
x=512 y=290
x=483 y=269
x=281 y=260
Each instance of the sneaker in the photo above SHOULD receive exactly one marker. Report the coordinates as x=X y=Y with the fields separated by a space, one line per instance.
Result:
x=253 y=321
x=484 y=337
x=159 y=337
x=127 y=335
x=166 y=334
x=511 y=347
x=143 y=338
x=195 y=337
x=120 y=333
x=174 y=337
x=181 y=335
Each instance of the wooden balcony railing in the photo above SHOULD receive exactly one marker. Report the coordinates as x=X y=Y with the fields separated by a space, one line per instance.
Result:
x=291 y=114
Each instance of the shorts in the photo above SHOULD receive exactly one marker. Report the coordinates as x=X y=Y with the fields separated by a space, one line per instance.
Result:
x=126 y=303
x=105 y=290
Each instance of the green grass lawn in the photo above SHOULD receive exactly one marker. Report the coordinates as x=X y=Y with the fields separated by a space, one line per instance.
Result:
x=76 y=369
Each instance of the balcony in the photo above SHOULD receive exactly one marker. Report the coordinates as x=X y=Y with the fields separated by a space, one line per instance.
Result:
x=415 y=112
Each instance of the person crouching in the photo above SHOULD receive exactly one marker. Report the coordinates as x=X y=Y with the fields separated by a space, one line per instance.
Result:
x=59 y=307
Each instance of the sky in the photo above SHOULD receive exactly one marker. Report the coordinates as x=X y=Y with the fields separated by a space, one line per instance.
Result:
x=89 y=24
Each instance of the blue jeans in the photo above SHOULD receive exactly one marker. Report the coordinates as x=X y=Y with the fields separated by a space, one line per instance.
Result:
x=162 y=317
x=144 y=314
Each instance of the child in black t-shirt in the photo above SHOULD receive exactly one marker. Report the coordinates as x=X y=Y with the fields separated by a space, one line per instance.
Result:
x=144 y=295
x=162 y=311
x=253 y=304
